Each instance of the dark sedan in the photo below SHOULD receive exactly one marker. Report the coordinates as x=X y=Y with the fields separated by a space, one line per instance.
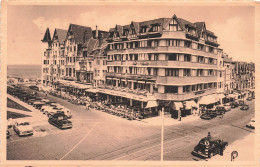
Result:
x=60 y=120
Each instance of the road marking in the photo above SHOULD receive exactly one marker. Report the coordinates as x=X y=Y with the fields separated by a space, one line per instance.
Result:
x=80 y=141
x=150 y=147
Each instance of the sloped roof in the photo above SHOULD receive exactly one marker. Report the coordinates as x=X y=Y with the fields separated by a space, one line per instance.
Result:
x=185 y=22
x=92 y=44
x=47 y=36
x=211 y=33
x=199 y=26
x=61 y=35
x=81 y=33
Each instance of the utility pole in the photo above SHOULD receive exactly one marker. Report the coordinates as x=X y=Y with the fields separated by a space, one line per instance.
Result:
x=162 y=131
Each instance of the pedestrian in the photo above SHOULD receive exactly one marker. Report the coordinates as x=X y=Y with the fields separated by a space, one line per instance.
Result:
x=87 y=106
x=46 y=94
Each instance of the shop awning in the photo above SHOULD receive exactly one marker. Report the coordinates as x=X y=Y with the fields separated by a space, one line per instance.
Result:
x=221 y=96
x=178 y=105
x=91 y=90
x=151 y=101
x=209 y=99
x=151 y=104
x=190 y=104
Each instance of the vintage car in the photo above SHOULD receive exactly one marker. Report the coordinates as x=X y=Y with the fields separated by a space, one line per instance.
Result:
x=33 y=99
x=234 y=104
x=220 y=110
x=40 y=103
x=48 y=105
x=60 y=120
x=241 y=102
x=33 y=87
x=244 y=107
x=64 y=110
x=23 y=128
x=209 y=146
x=251 y=124
x=249 y=99
x=209 y=114
x=227 y=107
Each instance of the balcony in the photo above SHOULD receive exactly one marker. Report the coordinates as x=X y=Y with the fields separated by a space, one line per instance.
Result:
x=162 y=63
x=163 y=49
x=186 y=96
x=131 y=76
x=168 y=80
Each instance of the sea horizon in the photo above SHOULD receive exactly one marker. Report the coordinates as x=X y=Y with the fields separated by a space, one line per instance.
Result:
x=31 y=71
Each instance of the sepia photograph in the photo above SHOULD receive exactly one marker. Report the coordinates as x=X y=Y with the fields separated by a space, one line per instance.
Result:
x=130 y=82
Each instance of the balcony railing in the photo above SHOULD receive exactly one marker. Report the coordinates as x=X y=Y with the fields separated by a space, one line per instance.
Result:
x=185 y=96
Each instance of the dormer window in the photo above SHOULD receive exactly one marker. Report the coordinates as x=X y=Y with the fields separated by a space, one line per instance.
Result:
x=143 y=29
x=173 y=26
x=133 y=31
x=154 y=28
x=190 y=30
x=125 y=32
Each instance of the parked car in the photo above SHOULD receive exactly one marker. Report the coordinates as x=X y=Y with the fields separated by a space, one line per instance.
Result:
x=60 y=120
x=46 y=106
x=227 y=106
x=241 y=102
x=234 y=104
x=251 y=124
x=244 y=107
x=220 y=110
x=33 y=87
x=50 y=109
x=40 y=103
x=208 y=114
x=249 y=99
x=209 y=146
x=23 y=128
x=64 y=110
x=33 y=99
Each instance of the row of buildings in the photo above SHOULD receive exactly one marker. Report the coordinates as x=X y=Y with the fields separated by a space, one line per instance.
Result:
x=171 y=60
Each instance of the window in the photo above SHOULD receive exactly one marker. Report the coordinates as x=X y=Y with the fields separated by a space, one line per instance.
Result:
x=173 y=42
x=154 y=28
x=201 y=47
x=156 y=56
x=171 y=89
x=194 y=88
x=171 y=72
x=187 y=44
x=201 y=59
x=186 y=89
x=98 y=62
x=200 y=72
x=173 y=26
x=143 y=29
x=186 y=72
x=205 y=86
x=199 y=87
x=172 y=56
x=125 y=32
x=211 y=61
x=187 y=57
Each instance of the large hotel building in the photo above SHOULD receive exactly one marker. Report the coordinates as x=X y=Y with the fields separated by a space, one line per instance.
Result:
x=171 y=60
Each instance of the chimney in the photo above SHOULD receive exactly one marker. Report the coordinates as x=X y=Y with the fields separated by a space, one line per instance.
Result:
x=96 y=32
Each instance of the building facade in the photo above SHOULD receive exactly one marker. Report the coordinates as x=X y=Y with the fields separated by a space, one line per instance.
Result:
x=171 y=58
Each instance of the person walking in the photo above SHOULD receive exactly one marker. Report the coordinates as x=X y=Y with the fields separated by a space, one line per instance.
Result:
x=46 y=94
x=87 y=106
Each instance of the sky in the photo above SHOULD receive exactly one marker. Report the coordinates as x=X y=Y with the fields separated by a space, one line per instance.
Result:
x=26 y=25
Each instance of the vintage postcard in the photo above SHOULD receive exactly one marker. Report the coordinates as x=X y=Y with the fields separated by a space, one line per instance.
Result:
x=134 y=83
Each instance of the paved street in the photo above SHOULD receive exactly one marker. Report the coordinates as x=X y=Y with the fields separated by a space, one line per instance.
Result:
x=100 y=136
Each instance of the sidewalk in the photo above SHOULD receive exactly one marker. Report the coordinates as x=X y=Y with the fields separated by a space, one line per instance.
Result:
x=36 y=115
x=169 y=121
x=245 y=148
